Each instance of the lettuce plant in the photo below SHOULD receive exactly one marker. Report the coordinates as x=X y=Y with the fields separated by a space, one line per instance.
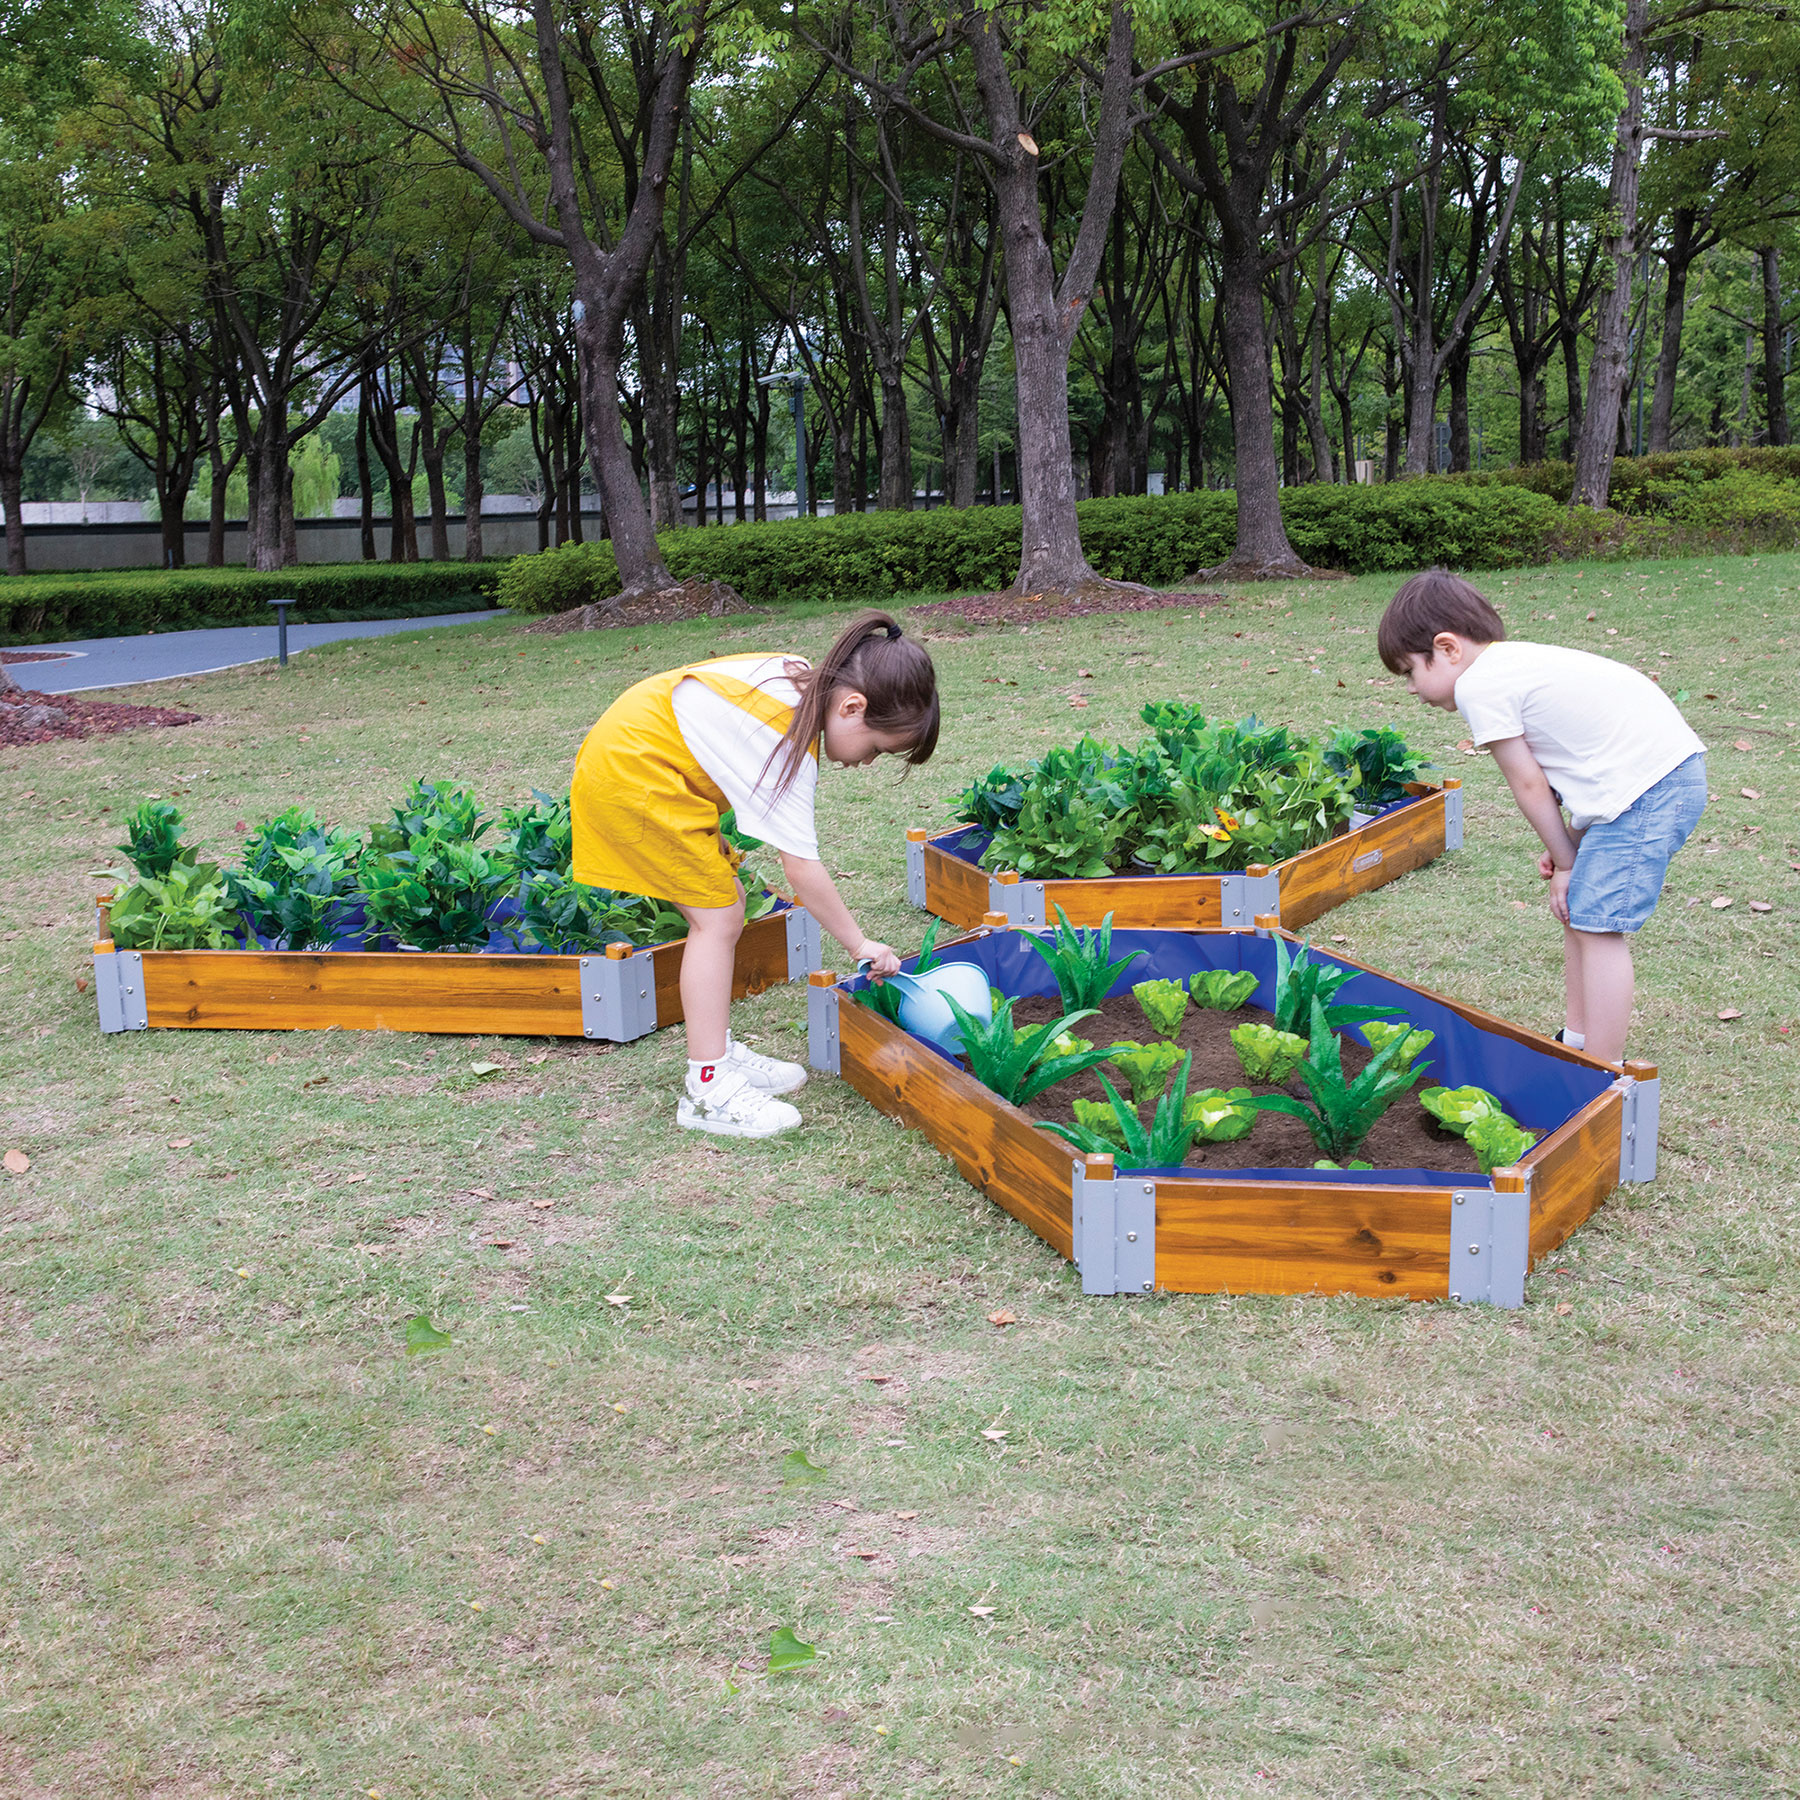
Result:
x=1340 y=1113
x=1267 y=1055
x=1098 y=1119
x=1081 y=961
x=1302 y=981
x=1222 y=1115
x=1456 y=1109
x=1325 y=1162
x=1014 y=1066
x=1163 y=1144
x=1222 y=990
x=1145 y=1066
x=1164 y=1005
x=1066 y=1045
x=1497 y=1141
x=1379 y=1033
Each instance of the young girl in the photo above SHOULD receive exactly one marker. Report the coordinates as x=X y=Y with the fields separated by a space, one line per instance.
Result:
x=665 y=761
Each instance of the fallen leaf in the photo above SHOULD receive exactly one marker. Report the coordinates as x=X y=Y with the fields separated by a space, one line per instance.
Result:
x=995 y=1437
x=352 y=1180
x=866 y=1555
x=422 y=1335
x=1340 y=940
x=1760 y=906
x=1742 y=744
x=1085 y=674
x=179 y=1143
x=787 y=1652
x=1003 y=1318
x=798 y=1469
x=1705 y=696
x=484 y=1068
x=1728 y=1013
x=1078 y=701
x=502 y=1243
x=1563 y=1309
x=478 y=1193
x=1467 y=746
x=618 y=1299
x=1751 y=793
x=81 y=986
x=906 y=1515
x=1592 y=616
x=879 y=1380
x=618 y=1406
x=982 y=1612
x=542 y=1205
x=16 y=1161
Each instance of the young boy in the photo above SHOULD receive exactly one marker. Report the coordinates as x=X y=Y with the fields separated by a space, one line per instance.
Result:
x=1568 y=730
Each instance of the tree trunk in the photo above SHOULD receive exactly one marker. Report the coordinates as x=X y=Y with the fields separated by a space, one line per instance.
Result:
x=1774 y=375
x=1677 y=260
x=641 y=567
x=1457 y=370
x=1607 y=373
x=12 y=498
x=215 y=508
x=290 y=542
x=431 y=447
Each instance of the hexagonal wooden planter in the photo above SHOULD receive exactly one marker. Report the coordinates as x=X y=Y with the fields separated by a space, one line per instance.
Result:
x=1417 y=1234
x=944 y=876
x=618 y=996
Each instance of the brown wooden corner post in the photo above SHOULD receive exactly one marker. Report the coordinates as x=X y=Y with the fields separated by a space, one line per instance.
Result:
x=1099 y=1168
x=1453 y=812
x=617 y=952
x=823 y=1045
x=995 y=921
x=103 y=915
x=916 y=834
x=1637 y=1130
x=916 y=891
x=1266 y=923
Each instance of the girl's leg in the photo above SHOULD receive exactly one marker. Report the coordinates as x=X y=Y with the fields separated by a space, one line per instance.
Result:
x=707 y=965
x=1574 y=999
x=1606 y=989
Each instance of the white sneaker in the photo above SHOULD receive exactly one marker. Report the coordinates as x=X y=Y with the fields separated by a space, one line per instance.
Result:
x=764 y=1072
x=732 y=1106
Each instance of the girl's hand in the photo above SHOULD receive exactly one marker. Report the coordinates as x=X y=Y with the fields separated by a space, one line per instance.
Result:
x=882 y=959
x=1559 y=892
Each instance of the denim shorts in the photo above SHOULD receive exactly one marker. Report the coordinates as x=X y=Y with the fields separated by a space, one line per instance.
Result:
x=1621 y=865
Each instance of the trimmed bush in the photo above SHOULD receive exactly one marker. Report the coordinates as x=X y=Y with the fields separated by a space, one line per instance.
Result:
x=37 y=609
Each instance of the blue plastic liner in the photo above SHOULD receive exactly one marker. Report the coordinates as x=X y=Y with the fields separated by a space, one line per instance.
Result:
x=1542 y=1092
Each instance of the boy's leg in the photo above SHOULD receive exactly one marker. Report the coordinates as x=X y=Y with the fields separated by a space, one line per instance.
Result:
x=1606 y=984
x=707 y=966
x=1574 y=997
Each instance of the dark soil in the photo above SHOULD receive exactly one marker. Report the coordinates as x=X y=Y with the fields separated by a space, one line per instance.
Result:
x=1406 y=1136
x=694 y=599
x=1010 y=608
x=31 y=718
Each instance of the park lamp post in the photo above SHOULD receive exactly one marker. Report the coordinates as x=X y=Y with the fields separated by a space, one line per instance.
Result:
x=794 y=380
x=281 y=607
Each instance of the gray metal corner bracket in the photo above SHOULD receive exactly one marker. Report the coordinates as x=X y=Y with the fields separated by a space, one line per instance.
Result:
x=806 y=949
x=822 y=1028
x=1453 y=818
x=1021 y=901
x=119 y=988
x=915 y=873
x=1490 y=1246
x=618 y=996
x=1242 y=897
x=1637 y=1131
x=1115 y=1233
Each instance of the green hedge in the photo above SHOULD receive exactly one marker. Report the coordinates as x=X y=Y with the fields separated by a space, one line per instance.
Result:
x=1159 y=540
x=39 y=609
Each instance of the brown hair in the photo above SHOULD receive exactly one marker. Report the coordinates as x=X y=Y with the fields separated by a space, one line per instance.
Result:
x=873 y=658
x=1427 y=604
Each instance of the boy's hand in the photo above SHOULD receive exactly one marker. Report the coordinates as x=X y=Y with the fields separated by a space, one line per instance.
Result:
x=1559 y=889
x=1546 y=864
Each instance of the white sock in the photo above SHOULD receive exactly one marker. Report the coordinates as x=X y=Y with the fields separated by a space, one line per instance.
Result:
x=1576 y=1040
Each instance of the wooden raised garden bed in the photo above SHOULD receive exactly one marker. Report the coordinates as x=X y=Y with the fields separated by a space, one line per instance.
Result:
x=1417 y=1233
x=620 y=995
x=944 y=876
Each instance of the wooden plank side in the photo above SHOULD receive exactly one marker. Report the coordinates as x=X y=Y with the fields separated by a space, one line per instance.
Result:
x=1138 y=903
x=1319 y=879
x=1300 y=1238
x=1573 y=1170
x=279 y=990
x=1026 y=1171
x=955 y=890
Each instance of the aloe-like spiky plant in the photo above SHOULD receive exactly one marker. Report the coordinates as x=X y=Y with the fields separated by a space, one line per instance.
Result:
x=1340 y=1113
x=1081 y=961
x=1162 y=1144
x=1301 y=981
x=1018 y=1067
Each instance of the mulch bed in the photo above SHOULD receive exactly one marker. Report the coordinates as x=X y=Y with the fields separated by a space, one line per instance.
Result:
x=32 y=718
x=25 y=656
x=1014 y=609
x=1406 y=1136
x=695 y=599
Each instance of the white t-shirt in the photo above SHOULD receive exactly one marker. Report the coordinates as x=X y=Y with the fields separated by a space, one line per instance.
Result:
x=734 y=748
x=1602 y=733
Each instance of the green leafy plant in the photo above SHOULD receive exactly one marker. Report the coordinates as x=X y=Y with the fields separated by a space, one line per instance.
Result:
x=1298 y=983
x=570 y=918
x=1222 y=990
x=1098 y=1119
x=431 y=809
x=1066 y=1045
x=787 y=1653
x=1457 y=1108
x=153 y=838
x=992 y=803
x=1222 y=1115
x=1081 y=961
x=1379 y=1033
x=1145 y=1066
x=1378 y=759
x=298 y=881
x=1163 y=1144
x=539 y=837
x=1497 y=1141
x=799 y=1470
x=1340 y=1113
x=1017 y=1067
x=1266 y=1054
x=1164 y=1005
x=1072 y=820
x=187 y=908
x=437 y=895
x=1325 y=1162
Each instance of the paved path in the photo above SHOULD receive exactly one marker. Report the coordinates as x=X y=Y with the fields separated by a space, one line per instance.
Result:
x=164 y=655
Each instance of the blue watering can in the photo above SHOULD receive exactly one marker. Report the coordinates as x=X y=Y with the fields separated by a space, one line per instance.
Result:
x=924 y=1011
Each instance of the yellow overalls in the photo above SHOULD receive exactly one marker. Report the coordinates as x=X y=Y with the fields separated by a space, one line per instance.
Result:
x=645 y=814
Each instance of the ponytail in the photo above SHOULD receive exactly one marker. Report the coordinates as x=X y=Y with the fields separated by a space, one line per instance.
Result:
x=871 y=657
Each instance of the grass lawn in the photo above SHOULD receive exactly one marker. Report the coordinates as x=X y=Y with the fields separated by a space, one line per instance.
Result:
x=1225 y=1546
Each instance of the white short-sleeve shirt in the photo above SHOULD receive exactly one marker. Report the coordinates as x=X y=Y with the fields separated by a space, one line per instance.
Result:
x=1602 y=733
x=734 y=749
